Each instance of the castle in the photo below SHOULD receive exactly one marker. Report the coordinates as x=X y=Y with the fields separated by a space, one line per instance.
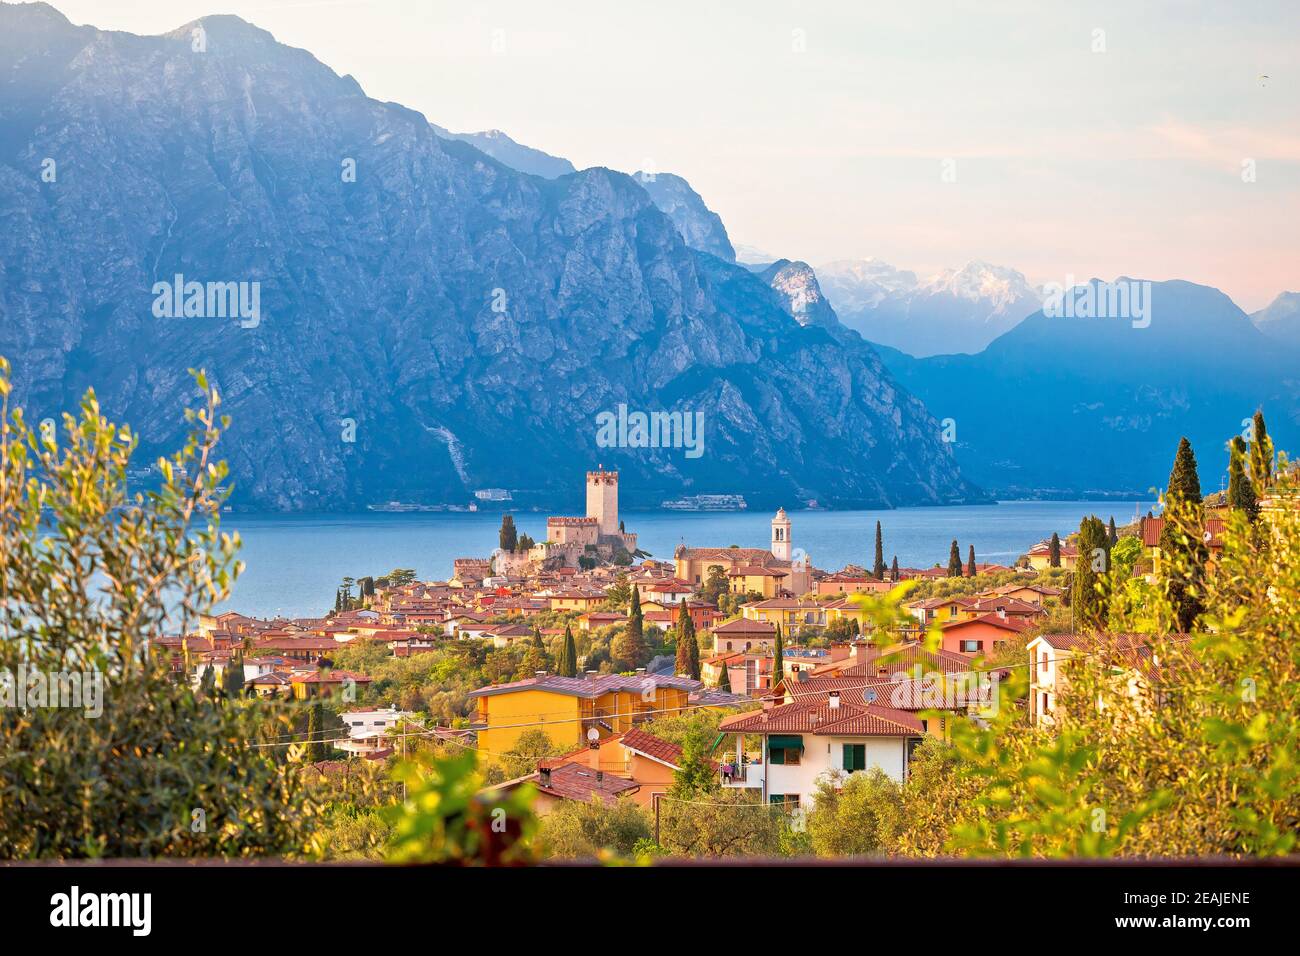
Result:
x=777 y=571
x=598 y=534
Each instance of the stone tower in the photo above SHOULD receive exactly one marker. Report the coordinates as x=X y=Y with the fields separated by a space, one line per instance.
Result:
x=602 y=500
x=781 y=536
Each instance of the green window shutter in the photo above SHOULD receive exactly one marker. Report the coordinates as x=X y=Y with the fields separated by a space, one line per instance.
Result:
x=776 y=756
x=855 y=757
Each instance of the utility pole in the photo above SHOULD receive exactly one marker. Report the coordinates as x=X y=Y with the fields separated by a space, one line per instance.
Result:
x=656 y=803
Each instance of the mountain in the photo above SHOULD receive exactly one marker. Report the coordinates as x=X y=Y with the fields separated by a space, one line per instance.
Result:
x=751 y=256
x=1280 y=319
x=699 y=225
x=462 y=322
x=797 y=284
x=1068 y=405
x=958 y=310
x=515 y=155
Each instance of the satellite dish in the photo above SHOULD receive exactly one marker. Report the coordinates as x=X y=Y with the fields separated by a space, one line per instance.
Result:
x=593 y=736
x=869 y=696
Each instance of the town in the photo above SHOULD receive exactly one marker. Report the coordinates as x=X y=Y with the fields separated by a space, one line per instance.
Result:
x=596 y=677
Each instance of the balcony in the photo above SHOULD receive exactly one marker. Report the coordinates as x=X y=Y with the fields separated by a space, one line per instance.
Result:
x=741 y=775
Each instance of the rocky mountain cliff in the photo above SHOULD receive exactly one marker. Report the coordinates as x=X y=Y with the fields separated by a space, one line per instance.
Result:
x=466 y=320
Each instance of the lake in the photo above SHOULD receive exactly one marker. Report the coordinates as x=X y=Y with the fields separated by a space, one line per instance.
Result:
x=295 y=562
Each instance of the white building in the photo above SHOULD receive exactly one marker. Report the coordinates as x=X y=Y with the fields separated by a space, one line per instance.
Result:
x=368 y=729
x=804 y=742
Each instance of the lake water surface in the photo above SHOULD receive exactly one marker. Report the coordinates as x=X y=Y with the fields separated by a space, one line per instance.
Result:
x=295 y=562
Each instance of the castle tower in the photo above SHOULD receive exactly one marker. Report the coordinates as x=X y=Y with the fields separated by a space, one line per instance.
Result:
x=781 y=536
x=602 y=500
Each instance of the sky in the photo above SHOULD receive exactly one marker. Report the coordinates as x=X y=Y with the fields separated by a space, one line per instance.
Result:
x=1158 y=140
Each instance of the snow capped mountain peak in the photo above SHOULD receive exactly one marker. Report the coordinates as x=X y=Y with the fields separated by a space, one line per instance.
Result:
x=955 y=310
x=980 y=281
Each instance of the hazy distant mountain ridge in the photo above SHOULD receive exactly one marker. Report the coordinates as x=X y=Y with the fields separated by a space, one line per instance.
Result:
x=958 y=310
x=503 y=149
x=467 y=321
x=1280 y=319
x=1074 y=405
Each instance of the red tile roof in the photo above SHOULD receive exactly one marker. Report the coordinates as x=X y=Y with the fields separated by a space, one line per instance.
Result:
x=819 y=718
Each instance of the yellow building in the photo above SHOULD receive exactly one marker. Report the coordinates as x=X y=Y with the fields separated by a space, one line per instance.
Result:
x=576 y=600
x=752 y=579
x=567 y=709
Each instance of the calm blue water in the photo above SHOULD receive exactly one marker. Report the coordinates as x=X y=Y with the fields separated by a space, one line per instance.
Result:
x=294 y=563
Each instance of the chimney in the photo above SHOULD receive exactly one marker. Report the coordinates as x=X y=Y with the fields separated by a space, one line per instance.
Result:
x=860 y=652
x=1002 y=613
x=544 y=776
x=640 y=670
x=600 y=777
x=539 y=674
x=592 y=675
x=833 y=700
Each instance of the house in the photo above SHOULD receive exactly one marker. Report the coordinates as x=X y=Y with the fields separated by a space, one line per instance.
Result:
x=569 y=709
x=1135 y=663
x=666 y=593
x=1151 y=528
x=327 y=683
x=851 y=584
x=643 y=758
x=1040 y=556
x=743 y=634
x=594 y=620
x=790 y=613
x=755 y=579
x=503 y=635
x=982 y=635
x=806 y=741
x=1028 y=593
x=556 y=783
x=368 y=729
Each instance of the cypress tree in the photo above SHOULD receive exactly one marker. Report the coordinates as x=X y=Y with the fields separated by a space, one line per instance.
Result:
x=1183 y=479
x=1182 y=550
x=1054 y=551
x=207 y=682
x=954 y=560
x=1241 y=492
x=1261 y=454
x=1094 y=560
x=629 y=647
x=879 y=567
x=317 y=749
x=893 y=571
x=567 y=665
x=508 y=537
x=232 y=679
x=778 y=657
x=685 y=638
x=1113 y=535
x=970 y=562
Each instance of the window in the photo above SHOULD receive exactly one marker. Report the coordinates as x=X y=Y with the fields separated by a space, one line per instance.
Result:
x=789 y=801
x=1042 y=662
x=970 y=647
x=855 y=757
x=786 y=756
